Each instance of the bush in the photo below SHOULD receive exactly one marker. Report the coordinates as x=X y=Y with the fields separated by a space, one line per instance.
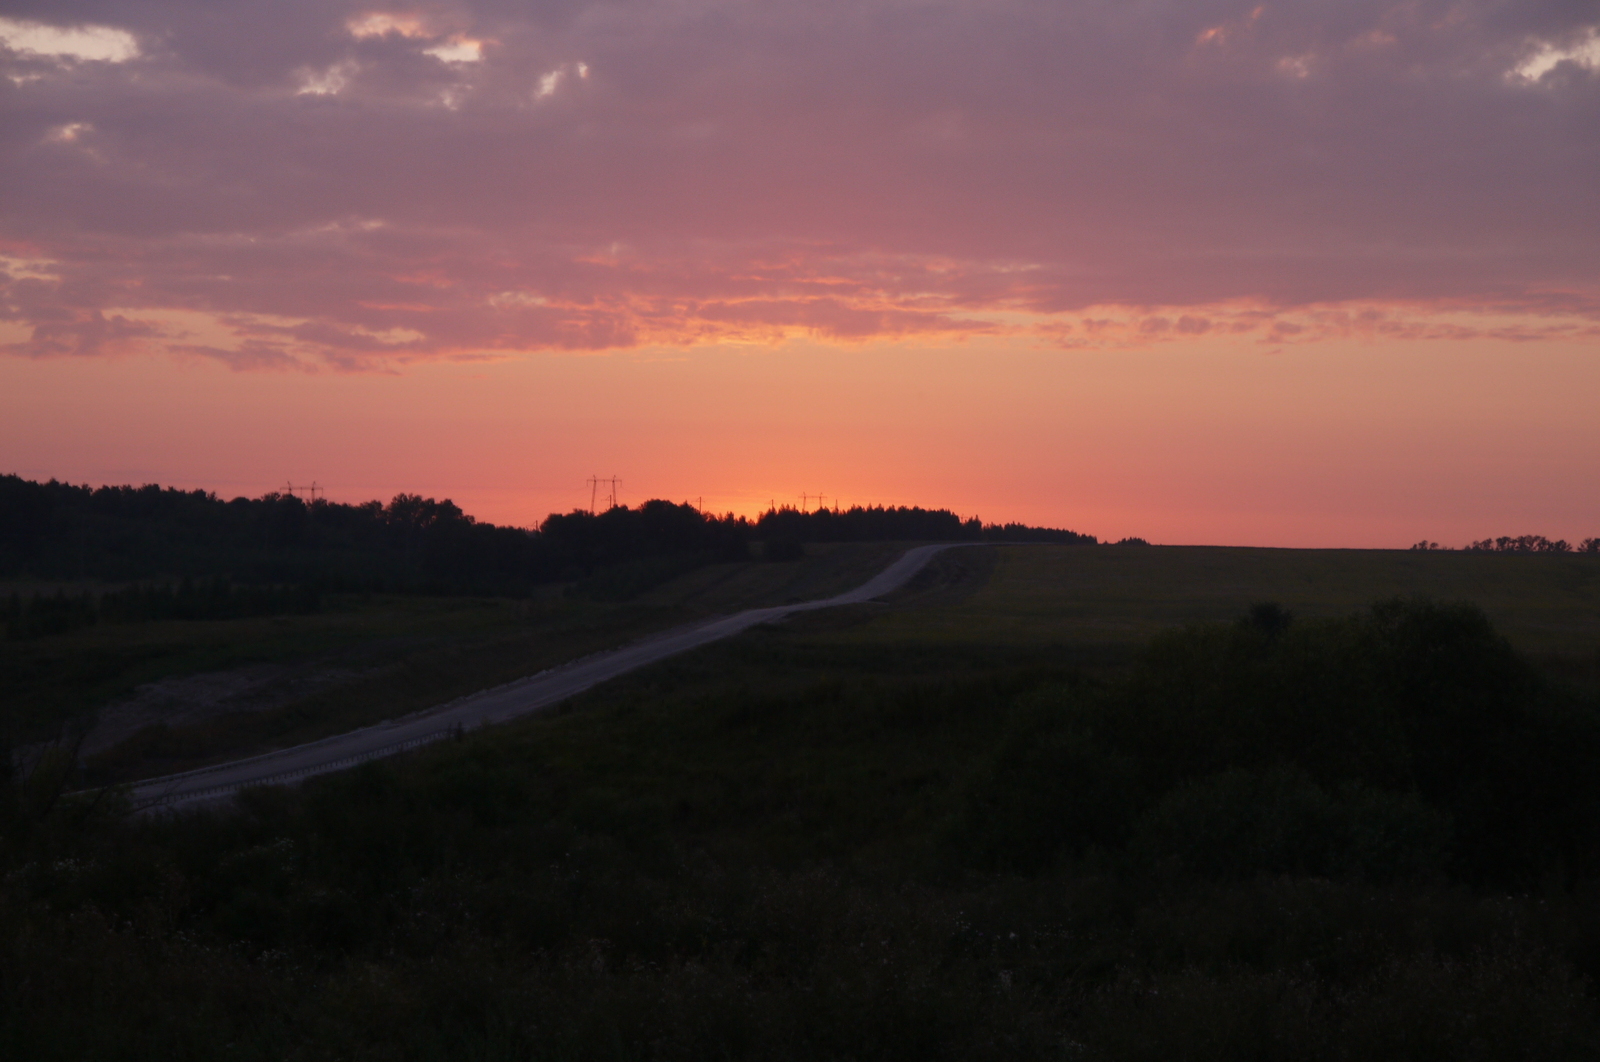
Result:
x=1240 y=824
x=1328 y=748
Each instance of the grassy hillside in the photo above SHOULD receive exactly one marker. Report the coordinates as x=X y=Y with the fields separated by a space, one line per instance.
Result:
x=365 y=657
x=1545 y=603
x=989 y=818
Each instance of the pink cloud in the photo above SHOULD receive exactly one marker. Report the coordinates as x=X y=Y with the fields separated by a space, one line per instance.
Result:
x=595 y=176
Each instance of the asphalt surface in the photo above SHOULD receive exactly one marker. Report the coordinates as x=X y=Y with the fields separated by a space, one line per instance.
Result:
x=488 y=707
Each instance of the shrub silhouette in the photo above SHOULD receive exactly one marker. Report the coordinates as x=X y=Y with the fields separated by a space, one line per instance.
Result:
x=1316 y=747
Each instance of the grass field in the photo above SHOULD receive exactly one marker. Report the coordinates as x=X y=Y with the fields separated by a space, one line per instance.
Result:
x=896 y=830
x=1548 y=604
x=911 y=830
x=977 y=625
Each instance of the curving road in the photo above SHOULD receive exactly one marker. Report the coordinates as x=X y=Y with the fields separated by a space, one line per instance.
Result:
x=510 y=701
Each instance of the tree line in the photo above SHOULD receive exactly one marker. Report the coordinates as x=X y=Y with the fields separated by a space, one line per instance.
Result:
x=55 y=530
x=882 y=524
x=1519 y=544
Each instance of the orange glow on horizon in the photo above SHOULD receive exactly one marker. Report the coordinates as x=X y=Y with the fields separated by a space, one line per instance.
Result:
x=1212 y=440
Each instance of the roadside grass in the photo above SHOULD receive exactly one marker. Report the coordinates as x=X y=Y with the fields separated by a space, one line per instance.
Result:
x=49 y=680
x=402 y=675
x=413 y=652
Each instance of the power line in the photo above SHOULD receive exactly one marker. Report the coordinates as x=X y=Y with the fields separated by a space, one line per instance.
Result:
x=594 y=492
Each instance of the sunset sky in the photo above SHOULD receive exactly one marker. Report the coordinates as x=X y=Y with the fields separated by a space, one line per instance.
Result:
x=1319 y=273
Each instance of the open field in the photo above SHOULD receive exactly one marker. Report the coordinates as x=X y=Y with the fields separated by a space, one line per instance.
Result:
x=217 y=689
x=837 y=837
x=1548 y=604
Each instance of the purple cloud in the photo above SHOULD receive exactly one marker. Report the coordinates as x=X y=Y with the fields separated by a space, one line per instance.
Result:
x=357 y=184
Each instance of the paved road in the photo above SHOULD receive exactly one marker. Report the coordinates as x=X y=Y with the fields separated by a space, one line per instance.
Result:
x=519 y=698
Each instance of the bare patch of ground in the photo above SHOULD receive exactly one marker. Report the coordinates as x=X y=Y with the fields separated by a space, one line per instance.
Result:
x=189 y=699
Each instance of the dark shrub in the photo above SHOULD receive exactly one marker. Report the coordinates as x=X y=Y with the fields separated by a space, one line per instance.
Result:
x=1333 y=747
x=1239 y=824
x=1052 y=791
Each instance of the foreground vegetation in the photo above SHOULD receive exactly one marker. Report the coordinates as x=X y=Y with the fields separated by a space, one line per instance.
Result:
x=1370 y=835
x=358 y=658
x=1548 y=605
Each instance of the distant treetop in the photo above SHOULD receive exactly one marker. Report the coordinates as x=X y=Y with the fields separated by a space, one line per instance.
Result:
x=60 y=531
x=1520 y=544
x=882 y=524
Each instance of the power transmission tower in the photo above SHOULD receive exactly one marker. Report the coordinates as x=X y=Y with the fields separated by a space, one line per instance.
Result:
x=614 y=482
x=594 y=487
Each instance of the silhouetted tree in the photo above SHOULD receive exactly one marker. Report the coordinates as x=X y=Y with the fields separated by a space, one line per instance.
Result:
x=1520 y=544
x=57 y=530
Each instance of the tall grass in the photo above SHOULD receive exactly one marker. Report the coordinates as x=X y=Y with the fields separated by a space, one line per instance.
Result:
x=1262 y=842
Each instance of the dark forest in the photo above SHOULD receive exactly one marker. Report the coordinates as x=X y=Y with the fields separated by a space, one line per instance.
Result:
x=59 y=531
